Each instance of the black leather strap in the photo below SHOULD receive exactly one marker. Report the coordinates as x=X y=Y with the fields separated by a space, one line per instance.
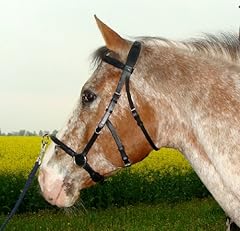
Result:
x=113 y=62
x=137 y=116
x=94 y=175
x=80 y=159
x=133 y=54
x=91 y=142
x=119 y=144
x=63 y=146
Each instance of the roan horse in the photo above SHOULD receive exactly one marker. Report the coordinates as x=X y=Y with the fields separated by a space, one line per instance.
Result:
x=188 y=96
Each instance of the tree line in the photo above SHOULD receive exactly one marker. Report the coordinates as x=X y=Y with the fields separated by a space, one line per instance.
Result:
x=24 y=132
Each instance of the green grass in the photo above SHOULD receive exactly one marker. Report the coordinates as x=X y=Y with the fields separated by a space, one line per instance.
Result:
x=197 y=214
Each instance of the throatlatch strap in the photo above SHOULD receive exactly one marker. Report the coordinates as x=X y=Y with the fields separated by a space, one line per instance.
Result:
x=137 y=116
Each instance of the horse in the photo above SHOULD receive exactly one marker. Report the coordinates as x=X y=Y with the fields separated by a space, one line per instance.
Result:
x=182 y=94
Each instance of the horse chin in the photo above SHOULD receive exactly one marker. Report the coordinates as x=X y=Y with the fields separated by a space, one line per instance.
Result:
x=66 y=201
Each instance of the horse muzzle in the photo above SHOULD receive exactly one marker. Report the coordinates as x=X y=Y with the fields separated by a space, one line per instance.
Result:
x=54 y=190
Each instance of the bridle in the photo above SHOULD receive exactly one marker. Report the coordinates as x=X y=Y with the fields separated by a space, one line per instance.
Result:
x=127 y=69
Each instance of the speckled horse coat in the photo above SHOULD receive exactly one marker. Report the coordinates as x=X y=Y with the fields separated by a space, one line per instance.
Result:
x=188 y=95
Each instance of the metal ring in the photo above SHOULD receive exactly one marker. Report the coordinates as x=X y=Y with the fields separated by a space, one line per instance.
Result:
x=45 y=139
x=84 y=158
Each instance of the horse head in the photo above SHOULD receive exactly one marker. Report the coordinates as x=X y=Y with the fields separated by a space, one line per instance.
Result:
x=60 y=178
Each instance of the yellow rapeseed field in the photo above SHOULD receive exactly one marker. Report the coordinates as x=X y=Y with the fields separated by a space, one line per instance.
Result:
x=18 y=154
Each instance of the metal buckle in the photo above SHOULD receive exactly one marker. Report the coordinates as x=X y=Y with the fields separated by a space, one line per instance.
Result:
x=134 y=112
x=97 y=131
x=117 y=93
x=44 y=143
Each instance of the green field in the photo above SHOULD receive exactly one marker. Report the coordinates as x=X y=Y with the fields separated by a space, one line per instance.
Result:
x=204 y=215
x=160 y=193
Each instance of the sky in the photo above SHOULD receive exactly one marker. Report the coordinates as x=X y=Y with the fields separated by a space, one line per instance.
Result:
x=46 y=45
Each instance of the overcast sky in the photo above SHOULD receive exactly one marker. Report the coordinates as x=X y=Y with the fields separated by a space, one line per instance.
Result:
x=45 y=47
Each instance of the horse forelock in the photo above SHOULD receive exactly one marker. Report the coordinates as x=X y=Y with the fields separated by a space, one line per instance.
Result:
x=97 y=55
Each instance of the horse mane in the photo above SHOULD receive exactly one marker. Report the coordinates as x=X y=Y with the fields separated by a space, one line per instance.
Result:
x=222 y=45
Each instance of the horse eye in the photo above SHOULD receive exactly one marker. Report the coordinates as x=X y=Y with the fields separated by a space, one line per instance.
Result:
x=88 y=97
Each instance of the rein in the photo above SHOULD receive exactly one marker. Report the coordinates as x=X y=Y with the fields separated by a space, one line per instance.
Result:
x=127 y=69
x=29 y=181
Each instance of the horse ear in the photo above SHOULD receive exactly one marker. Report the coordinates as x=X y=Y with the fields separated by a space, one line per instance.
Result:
x=113 y=40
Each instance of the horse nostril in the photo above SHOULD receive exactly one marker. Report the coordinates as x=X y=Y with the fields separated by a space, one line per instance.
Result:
x=50 y=199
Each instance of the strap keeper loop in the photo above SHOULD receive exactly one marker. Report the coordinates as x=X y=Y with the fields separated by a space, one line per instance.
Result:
x=128 y=69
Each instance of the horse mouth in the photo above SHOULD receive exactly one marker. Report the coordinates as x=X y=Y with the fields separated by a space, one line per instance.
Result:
x=60 y=199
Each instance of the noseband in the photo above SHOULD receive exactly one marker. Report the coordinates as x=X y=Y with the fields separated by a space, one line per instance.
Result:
x=81 y=158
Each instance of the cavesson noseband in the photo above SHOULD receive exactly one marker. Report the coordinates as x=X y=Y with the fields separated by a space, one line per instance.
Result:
x=81 y=158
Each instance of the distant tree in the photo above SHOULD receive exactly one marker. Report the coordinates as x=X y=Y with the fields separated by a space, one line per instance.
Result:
x=40 y=133
x=24 y=132
x=54 y=132
x=28 y=133
x=21 y=132
x=46 y=132
x=2 y=133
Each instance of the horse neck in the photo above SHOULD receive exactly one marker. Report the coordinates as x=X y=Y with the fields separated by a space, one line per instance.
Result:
x=196 y=99
x=187 y=90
